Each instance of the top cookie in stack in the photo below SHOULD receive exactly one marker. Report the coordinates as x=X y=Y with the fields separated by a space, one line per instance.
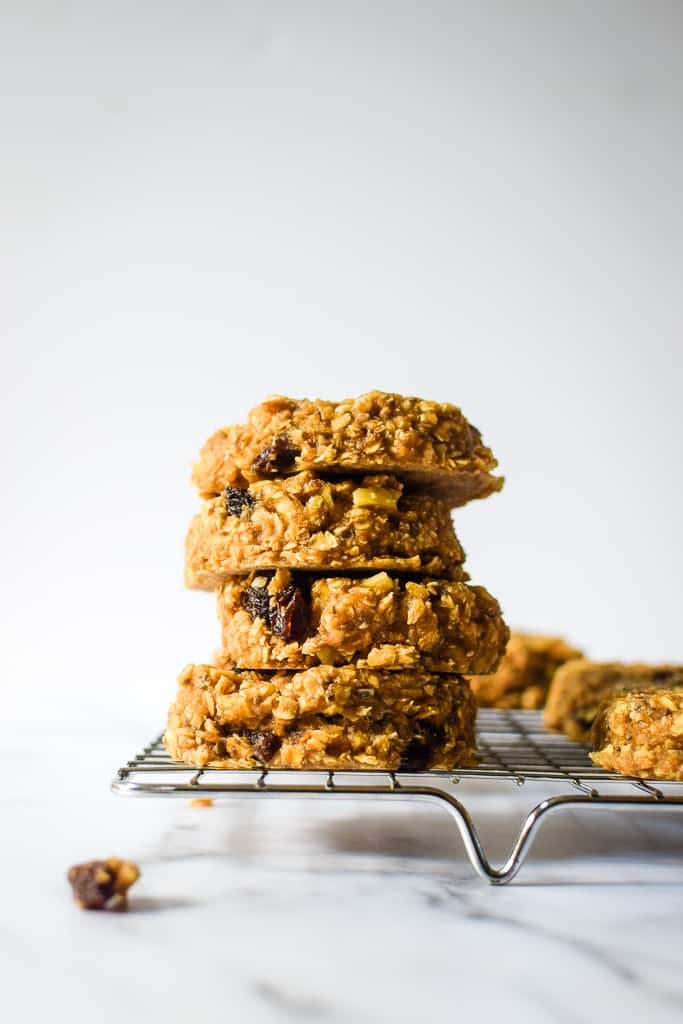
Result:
x=431 y=446
x=347 y=621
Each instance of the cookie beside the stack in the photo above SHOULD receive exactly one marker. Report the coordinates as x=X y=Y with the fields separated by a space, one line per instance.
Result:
x=348 y=623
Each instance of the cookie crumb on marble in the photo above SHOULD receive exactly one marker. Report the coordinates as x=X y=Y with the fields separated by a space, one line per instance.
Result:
x=103 y=884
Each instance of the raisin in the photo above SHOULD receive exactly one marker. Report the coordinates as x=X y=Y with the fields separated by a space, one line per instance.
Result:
x=417 y=754
x=265 y=744
x=236 y=500
x=290 y=614
x=256 y=600
x=275 y=457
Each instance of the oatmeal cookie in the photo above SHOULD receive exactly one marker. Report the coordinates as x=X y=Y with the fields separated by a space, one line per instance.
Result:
x=641 y=733
x=323 y=717
x=580 y=687
x=525 y=671
x=430 y=445
x=303 y=522
x=293 y=620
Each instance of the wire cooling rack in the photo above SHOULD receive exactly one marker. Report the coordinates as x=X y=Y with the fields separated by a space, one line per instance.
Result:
x=513 y=745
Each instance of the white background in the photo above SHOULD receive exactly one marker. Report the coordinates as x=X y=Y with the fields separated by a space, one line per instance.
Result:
x=204 y=203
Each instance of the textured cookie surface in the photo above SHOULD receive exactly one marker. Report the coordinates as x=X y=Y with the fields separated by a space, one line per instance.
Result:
x=289 y=620
x=431 y=445
x=580 y=687
x=525 y=672
x=304 y=522
x=324 y=717
x=641 y=734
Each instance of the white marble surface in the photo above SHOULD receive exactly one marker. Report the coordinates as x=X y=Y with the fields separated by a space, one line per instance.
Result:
x=343 y=912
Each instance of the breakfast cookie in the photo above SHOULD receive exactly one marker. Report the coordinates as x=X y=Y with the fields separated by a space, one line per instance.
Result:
x=430 y=445
x=580 y=687
x=524 y=673
x=323 y=717
x=304 y=522
x=293 y=620
x=641 y=733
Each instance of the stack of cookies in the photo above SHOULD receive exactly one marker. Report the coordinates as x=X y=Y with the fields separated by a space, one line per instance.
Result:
x=348 y=623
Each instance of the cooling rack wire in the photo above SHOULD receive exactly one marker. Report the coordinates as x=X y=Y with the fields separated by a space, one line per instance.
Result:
x=514 y=748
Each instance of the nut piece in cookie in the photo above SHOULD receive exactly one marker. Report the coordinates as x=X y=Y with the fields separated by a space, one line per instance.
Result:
x=103 y=884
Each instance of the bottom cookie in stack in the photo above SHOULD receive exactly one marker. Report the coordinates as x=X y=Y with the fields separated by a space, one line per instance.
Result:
x=323 y=717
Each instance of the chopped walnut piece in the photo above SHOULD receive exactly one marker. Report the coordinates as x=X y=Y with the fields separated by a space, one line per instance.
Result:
x=103 y=884
x=376 y=497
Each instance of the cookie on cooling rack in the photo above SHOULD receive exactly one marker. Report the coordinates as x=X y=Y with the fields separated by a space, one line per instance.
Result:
x=323 y=717
x=524 y=673
x=641 y=733
x=294 y=620
x=304 y=522
x=428 y=444
x=580 y=687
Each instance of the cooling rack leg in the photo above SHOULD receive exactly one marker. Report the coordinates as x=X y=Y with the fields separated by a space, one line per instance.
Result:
x=521 y=846
x=472 y=842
